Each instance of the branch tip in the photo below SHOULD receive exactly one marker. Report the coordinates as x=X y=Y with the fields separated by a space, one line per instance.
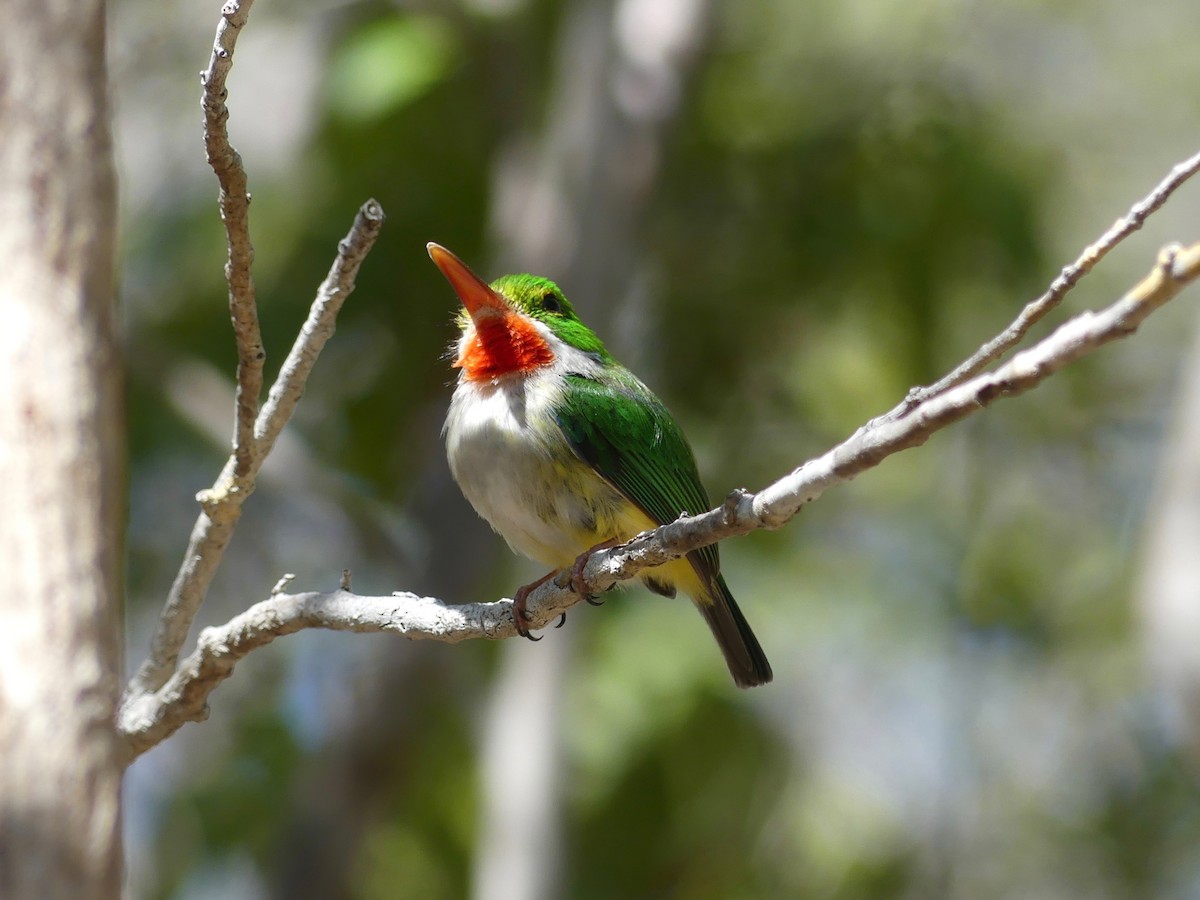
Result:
x=281 y=585
x=1167 y=256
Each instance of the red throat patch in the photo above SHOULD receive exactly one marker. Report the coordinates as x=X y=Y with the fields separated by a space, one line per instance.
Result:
x=502 y=345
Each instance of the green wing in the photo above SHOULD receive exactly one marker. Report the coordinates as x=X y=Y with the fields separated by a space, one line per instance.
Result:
x=625 y=433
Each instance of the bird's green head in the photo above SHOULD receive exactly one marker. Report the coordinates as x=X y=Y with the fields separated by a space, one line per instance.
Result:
x=518 y=323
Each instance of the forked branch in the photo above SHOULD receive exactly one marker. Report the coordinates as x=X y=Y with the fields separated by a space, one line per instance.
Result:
x=255 y=429
x=165 y=693
x=184 y=697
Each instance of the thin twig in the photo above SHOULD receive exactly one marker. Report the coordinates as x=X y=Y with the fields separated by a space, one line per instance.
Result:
x=318 y=327
x=234 y=201
x=214 y=526
x=1036 y=310
x=184 y=698
x=221 y=505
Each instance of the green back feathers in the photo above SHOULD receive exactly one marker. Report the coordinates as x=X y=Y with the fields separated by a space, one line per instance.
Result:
x=624 y=432
x=615 y=423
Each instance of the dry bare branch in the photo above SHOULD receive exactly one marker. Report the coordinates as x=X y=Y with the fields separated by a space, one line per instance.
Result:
x=234 y=201
x=184 y=698
x=1037 y=309
x=221 y=505
x=317 y=329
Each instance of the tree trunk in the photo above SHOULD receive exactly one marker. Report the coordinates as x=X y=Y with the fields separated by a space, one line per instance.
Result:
x=61 y=475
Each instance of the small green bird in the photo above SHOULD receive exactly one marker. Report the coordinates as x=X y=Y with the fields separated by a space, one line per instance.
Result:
x=563 y=450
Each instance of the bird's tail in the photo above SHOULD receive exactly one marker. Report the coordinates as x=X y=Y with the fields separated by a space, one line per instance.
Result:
x=747 y=663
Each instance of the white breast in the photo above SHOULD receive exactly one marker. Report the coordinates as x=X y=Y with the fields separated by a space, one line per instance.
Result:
x=513 y=464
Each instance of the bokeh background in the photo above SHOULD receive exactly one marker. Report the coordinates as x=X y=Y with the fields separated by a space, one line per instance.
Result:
x=782 y=215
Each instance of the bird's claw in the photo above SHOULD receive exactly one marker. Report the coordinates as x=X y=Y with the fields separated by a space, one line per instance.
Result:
x=519 y=613
x=520 y=598
x=577 y=583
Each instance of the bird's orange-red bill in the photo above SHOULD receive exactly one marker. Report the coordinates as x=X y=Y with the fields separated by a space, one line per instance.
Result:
x=502 y=342
x=472 y=290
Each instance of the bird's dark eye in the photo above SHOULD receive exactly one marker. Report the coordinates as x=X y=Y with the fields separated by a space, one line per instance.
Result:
x=550 y=303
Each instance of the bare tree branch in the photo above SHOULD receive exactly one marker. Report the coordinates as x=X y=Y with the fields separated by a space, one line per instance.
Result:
x=214 y=526
x=222 y=503
x=184 y=698
x=1037 y=309
x=234 y=201
x=150 y=718
x=317 y=329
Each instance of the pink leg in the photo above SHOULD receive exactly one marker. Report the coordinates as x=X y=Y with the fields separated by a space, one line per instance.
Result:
x=581 y=563
x=522 y=594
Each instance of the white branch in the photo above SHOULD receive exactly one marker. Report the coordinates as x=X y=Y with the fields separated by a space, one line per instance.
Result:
x=1037 y=309
x=221 y=505
x=150 y=718
x=234 y=202
x=255 y=429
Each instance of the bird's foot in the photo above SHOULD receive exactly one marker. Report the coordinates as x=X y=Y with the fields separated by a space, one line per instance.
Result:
x=520 y=616
x=577 y=584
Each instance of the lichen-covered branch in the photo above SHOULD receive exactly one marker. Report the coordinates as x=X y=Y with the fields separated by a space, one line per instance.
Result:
x=183 y=698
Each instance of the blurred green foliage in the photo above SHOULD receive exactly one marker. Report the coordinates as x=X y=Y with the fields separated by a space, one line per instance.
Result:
x=847 y=206
x=388 y=64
